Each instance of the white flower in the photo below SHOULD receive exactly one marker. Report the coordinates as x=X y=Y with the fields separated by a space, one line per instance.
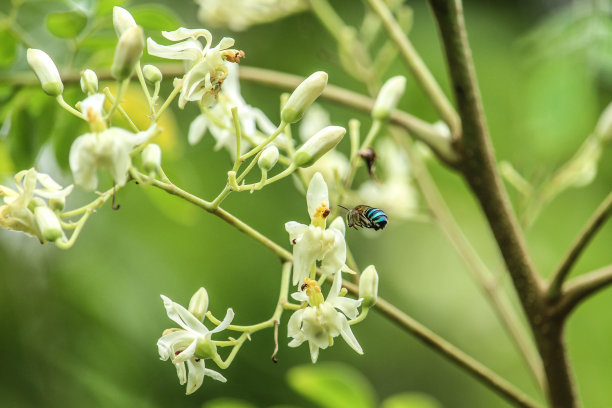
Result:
x=17 y=212
x=313 y=242
x=219 y=122
x=320 y=322
x=190 y=346
x=239 y=15
x=102 y=148
x=206 y=68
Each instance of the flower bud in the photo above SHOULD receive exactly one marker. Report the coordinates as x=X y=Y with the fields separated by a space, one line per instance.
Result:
x=303 y=96
x=48 y=224
x=46 y=71
x=268 y=158
x=152 y=73
x=89 y=82
x=122 y=20
x=388 y=97
x=368 y=287
x=198 y=305
x=315 y=147
x=151 y=158
x=128 y=52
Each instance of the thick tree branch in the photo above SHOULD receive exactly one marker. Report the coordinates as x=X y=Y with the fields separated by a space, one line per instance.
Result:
x=591 y=228
x=479 y=169
x=580 y=288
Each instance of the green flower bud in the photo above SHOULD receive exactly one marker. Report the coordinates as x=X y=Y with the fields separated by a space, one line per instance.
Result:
x=268 y=158
x=128 y=52
x=303 y=96
x=388 y=97
x=368 y=287
x=151 y=158
x=152 y=73
x=48 y=224
x=122 y=20
x=315 y=147
x=89 y=82
x=46 y=71
x=198 y=305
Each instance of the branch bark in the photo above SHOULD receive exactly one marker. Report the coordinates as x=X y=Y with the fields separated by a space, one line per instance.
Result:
x=479 y=169
x=581 y=288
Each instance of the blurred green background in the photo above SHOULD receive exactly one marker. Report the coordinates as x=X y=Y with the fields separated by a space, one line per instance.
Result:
x=79 y=327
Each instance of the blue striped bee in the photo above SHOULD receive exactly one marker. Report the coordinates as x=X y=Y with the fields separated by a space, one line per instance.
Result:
x=366 y=217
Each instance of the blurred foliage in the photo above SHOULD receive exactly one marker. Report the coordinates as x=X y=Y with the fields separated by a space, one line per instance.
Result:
x=80 y=326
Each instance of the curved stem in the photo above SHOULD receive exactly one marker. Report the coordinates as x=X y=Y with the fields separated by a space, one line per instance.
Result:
x=599 y=217
x=581 y=288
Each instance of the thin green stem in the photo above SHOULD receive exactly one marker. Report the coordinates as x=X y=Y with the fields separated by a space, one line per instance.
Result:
x=263 y=144
x=121 y=88
x=145 y=88
x=167 y=102
x=112 y=100
x=63 y=104
x=75 y=234
x=411 y=57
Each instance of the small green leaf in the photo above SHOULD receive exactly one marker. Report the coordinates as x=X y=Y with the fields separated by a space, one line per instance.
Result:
x=410 y=400
x=8 y=48
x=66 y=24
x=227 y=403
x=155 y=17
x=335 y=385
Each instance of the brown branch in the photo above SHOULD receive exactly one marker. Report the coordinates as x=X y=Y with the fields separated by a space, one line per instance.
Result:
x=580 y=288
x=479 y=169
x=591 y=228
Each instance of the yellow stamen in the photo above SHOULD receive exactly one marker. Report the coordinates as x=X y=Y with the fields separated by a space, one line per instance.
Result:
x=318 y=219
x=313 y=291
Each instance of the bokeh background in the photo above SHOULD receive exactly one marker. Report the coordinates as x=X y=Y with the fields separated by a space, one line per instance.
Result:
x=79 y=327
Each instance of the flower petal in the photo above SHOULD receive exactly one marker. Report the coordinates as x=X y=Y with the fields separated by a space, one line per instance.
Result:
x=229 y=316
x=295 y=230
x=181 y=372
x=214 y=375
x=305 y=253
x=196 y=375
x=335 y=258
x=348 y=336
x=183 y=33
x=317 y=194
x=197 y=129
x=295 y=323
x=346 y=305
x=189 y=50
x=187 y=353
x=180 y=315
x=314 y=352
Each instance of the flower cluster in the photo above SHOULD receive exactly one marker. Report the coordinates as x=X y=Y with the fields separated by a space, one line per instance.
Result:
x=190 y=346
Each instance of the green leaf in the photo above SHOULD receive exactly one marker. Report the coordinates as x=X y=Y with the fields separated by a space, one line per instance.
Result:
x=8 y=48
x=332 y=385
x=155 y=17
x=227 y=403
x=410 y=400
x=66 y=24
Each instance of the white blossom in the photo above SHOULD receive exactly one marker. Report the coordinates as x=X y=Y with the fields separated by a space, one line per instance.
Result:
x=320 y=322
x=191 y=345
x=314 y=242
x=102 y=148
x=17 y=212
x=206 y=69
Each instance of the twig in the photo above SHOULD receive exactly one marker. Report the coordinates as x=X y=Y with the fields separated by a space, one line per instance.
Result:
x=582 y=287
x=599 y=217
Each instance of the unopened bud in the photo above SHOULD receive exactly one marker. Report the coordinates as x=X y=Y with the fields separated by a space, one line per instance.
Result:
x=46 y=71
x=128 y=52
x=303 y=96
x=122 y=20
x=315 y=147
x=268 y=158
x=152 y=73
x=368 y=287
x=198 y=305
x=48 y=224
x=151 y=158
x=388 y=97
x=89 y=82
